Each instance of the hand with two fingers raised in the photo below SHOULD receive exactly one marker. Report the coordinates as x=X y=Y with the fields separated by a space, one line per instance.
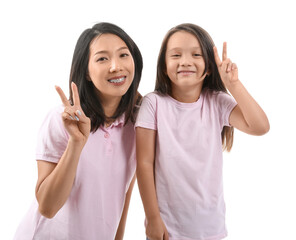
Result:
x=77 y=124
x=228 y=71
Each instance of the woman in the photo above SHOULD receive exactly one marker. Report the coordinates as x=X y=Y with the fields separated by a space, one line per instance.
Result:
x=86 y=151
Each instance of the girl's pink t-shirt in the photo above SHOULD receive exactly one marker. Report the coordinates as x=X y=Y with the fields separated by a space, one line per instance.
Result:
x=105 y=169
x=188 y=162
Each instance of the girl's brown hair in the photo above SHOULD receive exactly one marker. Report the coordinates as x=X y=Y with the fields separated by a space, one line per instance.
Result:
x=212 y=81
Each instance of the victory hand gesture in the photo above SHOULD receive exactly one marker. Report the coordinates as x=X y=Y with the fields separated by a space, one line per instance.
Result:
x=74 y=119
x=228 y=71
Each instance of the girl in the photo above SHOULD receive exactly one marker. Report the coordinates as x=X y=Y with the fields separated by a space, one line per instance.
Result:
x=85 y=151
x=181 y=128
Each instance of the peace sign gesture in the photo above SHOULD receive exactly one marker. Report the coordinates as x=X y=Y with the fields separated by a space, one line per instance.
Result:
x=228 y=71
x=74 y=119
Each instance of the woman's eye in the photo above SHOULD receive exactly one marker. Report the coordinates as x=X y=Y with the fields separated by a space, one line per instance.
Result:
x=124 y=55
x=101 y=59
x=176 y=55
x=196 y=55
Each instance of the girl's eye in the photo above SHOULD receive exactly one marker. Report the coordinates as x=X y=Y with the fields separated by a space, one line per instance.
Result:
x=197 y=55
x=176 y=55
x=101 y=59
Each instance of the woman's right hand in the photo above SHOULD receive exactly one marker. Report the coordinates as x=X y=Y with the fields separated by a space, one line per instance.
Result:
x=76 y=123
x=156 y=230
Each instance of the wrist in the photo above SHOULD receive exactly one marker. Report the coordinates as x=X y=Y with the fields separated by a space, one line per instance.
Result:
x=153 y=217
x=232 y=86
x=77 y=143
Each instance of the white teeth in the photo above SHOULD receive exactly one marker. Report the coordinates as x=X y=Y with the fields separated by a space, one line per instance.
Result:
x=118 y=80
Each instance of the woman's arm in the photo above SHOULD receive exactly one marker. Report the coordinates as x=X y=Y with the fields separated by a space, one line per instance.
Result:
x=122 y=223
x=145 y=142
x=55 y=181
x=247 y=116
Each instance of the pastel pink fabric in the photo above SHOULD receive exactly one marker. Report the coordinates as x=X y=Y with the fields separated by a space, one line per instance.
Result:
x=188 y=162
x=94 y=207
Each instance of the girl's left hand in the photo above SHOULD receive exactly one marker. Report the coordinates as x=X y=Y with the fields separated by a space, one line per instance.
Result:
x=228 y=71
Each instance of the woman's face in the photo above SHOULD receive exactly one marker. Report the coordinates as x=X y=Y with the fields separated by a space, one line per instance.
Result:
x=111 y=66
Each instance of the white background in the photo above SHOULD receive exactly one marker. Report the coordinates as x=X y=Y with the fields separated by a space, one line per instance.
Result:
x=36 y=46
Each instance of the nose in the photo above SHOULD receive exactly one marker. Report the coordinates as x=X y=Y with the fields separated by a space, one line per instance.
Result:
x=115 y=65
x=185 y=60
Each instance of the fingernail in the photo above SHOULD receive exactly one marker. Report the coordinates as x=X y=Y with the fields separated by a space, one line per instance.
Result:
x=76 y=118
x=71 y=117
x=79 y=113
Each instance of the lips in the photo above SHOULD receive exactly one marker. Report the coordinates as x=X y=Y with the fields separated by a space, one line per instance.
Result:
x=117 y=79
x=185 y=72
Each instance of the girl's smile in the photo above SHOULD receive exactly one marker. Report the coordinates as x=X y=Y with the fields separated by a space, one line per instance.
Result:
x=185 y=73
x=185 y=66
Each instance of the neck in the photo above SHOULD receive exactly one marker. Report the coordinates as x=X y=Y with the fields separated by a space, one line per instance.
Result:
x=110 y=105
x=186 y=95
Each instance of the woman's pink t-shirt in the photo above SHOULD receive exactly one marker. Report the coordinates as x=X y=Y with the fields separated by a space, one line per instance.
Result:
x=188 y=162
x=105 y=169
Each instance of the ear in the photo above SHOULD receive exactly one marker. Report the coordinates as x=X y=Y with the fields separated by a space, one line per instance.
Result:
x=209 y=72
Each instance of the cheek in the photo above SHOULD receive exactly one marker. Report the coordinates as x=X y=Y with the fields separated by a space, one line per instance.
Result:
x=201 y=66
x=95 y=72
x=170 y=67
x=91 y=72
x=131 y=67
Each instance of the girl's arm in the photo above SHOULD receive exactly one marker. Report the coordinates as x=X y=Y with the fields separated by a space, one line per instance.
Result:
x=122 y=223
x=55 y=181
x=145 y=144
x=247 y=116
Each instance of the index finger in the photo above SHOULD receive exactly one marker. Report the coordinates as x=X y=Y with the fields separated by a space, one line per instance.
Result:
x=75 y=94
x=224 y=55
x=216 y=55
x=62 y=96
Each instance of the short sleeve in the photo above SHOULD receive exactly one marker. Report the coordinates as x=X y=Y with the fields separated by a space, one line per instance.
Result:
x=147 y=114
x=225 y=103
x=52 y=138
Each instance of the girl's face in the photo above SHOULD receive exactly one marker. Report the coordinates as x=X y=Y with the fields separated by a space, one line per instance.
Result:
x=184 y=61
x=111 y=66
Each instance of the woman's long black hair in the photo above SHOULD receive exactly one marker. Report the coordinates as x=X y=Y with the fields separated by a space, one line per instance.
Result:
x=89 y=101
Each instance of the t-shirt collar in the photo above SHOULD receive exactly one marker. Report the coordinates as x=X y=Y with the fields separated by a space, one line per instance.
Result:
x=118 y=121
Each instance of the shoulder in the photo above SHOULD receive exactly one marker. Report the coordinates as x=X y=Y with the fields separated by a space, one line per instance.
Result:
x=52 y=137
x=216 y=96
x=152 y=95
x=55 y=113
x=53 y=120
x=155 y=97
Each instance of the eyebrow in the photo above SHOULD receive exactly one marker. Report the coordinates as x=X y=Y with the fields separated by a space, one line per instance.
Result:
x=178 y=48
x=104 y=51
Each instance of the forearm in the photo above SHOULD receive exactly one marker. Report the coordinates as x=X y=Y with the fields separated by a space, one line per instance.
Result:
x=145 y=178
x=122 y=223
x=254 y=116
x=55 y=189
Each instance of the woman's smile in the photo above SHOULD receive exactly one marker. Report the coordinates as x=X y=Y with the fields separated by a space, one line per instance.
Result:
x=117 y=81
